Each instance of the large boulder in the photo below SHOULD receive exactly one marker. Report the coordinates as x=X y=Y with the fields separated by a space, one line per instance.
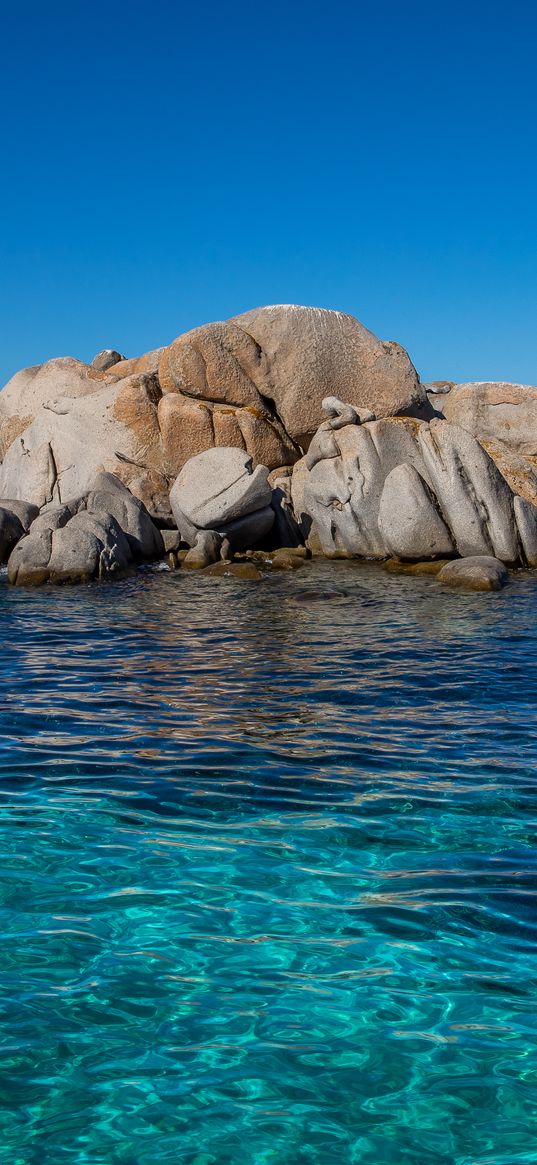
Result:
x=473 y=496
x=220 y=490
x=269 y=370
x=409 y=520
x=108 y=495
x=496 y=411
x=336 y=497
x=307 y=353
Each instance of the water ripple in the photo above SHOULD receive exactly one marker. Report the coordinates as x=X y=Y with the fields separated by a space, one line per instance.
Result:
x=269 y=871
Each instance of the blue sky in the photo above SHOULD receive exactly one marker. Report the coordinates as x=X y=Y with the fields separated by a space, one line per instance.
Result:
x=165 y=164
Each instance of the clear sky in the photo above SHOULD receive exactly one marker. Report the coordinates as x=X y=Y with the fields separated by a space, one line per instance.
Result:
x=165 y=164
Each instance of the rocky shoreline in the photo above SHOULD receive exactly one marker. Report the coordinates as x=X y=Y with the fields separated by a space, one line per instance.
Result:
x=253 y=444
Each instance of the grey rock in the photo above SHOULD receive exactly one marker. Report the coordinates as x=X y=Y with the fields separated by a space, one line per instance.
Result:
x=110 y=496
x=474 y=498
x=89 y=546
x=97 y=535
x=106 y=359
x=336 y=493
x=218 y=486
x=336 y=502
x=526 y=520
x=249 y=530
x=477 y=573
x=24 y=511
x=409 y=521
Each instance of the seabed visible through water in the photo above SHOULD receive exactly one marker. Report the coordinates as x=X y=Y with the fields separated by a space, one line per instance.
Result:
x=268 y=871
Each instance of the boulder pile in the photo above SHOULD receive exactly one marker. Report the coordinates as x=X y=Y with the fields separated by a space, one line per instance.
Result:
x=287 y=427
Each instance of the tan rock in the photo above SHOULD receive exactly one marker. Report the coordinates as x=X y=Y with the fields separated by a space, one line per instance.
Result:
x=70 y=440
x=149 y=362
x=227 y=431
x=186 y=429
x=218 y=362
x=519 y=471
x=308 y=353
x=395 y=566
x=496 y=411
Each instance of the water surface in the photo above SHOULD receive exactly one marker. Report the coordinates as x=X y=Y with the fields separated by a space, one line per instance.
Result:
x=268 y=872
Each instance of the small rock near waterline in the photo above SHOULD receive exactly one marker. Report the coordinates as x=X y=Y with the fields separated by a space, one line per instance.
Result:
x=479 y=573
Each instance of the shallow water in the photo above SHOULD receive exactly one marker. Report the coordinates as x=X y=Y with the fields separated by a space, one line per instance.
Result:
x=268 y=872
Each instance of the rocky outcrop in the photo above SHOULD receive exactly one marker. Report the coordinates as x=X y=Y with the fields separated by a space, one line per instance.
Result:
x=409 y=489
x=33 y=389
x=220 y=490
x=364 y=460
x=496 y=411
x=96 y=536
x=114 y=427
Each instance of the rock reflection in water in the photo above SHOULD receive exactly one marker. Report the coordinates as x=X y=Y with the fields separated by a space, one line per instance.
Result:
x=267 y=875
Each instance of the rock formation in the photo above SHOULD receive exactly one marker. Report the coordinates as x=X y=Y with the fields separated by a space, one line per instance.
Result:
x=281 y=426
x=98 y=535
x=220 y=491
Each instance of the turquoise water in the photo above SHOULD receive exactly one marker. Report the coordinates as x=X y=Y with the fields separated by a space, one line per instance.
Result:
x=268 y=872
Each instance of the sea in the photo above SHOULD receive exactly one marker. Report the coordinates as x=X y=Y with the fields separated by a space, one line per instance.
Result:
x=268 y=871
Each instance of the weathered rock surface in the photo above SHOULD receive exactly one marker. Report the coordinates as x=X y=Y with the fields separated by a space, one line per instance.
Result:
x=205 y=551
x=220 y=490
x=496 y=411
x=479 y=573
x=93 y=536
x=474 y=498
x=337 y=501
x=518 y=469
x=445 y=496
x=409 y=521
x=15 y=519
x=88 y=546
x=257 y=381
x=41 y=386
x=114 y=427
x=308 y=353
x=526 y=519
